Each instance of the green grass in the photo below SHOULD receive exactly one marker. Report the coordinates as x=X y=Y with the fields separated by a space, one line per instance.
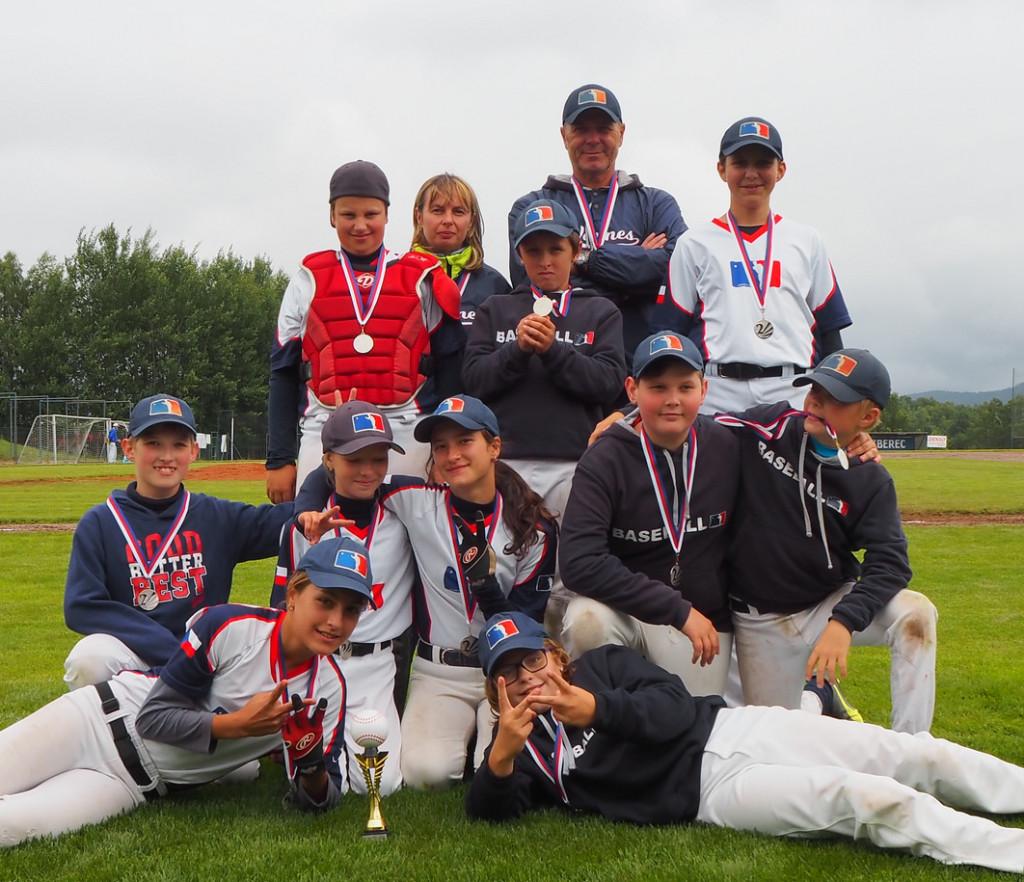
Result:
x=958 y=485
x=242 y=832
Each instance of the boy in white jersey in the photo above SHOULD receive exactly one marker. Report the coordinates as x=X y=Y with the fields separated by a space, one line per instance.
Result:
x=756 y=328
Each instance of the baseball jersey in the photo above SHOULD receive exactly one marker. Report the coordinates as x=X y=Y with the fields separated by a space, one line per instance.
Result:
x=231 y=653
x=391 y=563
x=547 y=403
x=622 y=271
x=615 y=546
x=475 y=287
x=444 y=607
x=290 y=397
x=138 y=572
x=793 y=547
x=710 y=298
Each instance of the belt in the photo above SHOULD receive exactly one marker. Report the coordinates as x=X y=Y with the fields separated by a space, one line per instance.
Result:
x=740 y=370
x=123 y=742
x=441 y=656
x=358 y=650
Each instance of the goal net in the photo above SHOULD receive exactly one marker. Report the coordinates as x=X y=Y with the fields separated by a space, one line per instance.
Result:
x=63 y=439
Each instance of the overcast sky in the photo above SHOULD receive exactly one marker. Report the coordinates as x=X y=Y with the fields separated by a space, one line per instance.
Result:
x=218 y=124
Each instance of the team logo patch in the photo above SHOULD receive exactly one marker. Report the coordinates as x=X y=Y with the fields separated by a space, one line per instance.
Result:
x=306 y=741
x=666 y=343
x=352 y=561
x=755 y=129
x=469 y=556
x=191 y=644
x=451 y=405
x=367 y=422
x=500 y=631
x=164 y=407
x=539 y=213
x=592 y=96
x=841 y=364
x=838 y=505
x=364 y=280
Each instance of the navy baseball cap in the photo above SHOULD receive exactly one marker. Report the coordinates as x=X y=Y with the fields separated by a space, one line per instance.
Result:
x=751 y=130
x=504 y=632
x=355 y=425
x=360 y=178
x=850 y=375
x=160 y=409
x=339 y=562
x=468 y=412
x=666 y=344
x=591 y=97
x=544 y=215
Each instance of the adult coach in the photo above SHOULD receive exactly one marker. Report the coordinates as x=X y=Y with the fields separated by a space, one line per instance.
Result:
x=627 y=230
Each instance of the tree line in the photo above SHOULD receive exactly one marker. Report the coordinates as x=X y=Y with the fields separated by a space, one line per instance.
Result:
x=121 y=319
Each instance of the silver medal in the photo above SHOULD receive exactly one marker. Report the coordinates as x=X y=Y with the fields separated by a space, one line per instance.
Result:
x=543 y=306
x=675 y=575
x=148 y=600
x=844 y=460
x=764 y=329
x=363 y=343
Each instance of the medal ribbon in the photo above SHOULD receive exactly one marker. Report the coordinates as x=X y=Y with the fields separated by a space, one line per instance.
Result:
x=760 y=287
x=359 y=301
x=560 y=759
x=597 y=240
x=468 y=600
x=773 y=431
x=561 y=304
x=674 y=519
x=148 y=568
x=282 y=674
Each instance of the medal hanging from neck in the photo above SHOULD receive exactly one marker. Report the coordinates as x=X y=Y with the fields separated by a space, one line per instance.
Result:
x=545 y=304
x=762 y=327
x=364 y=305
x=596 y=239
x=672 y=515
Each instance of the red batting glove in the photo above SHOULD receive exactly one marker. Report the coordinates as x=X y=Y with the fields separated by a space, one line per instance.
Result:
x=304 y=737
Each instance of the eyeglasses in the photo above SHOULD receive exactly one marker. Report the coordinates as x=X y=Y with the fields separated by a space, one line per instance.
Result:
x=532 y=663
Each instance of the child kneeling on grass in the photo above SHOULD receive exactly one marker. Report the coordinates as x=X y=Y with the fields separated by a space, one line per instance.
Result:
x=615 y=735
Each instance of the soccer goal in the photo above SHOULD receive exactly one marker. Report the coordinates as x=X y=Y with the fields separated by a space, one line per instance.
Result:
x=63 y=439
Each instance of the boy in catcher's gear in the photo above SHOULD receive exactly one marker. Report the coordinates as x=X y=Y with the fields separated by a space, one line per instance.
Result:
x=757 y=328
x=613 y=735
x=359 y=322
x=149 y=557
x=227 y=697
x=799 y=596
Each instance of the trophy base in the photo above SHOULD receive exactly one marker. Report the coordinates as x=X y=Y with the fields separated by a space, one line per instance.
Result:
x=376 y=834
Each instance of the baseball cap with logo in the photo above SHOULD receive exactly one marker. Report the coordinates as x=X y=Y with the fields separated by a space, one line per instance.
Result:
x=360 y=178
x=504 y=632
x=160 y=409
x=355 y=425
x=543 y=215
x=339 y=562
x=850 y=375
x=591 y=97
x=751 y=130
x=666 y=344
x=470 y=413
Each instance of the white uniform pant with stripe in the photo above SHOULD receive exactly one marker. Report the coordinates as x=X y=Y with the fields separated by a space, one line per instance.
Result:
x=787 y=773
x=370 y=683
x=98 y=657
x=773 y=650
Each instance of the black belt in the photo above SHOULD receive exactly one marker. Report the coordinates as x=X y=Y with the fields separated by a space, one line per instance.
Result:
x=740 y=370
x=123 y=742
x=358 y=650
x=454 y=657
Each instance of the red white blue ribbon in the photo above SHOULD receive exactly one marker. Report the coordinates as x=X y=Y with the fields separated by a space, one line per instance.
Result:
x=559 y=299
x=148 y=567
x=561 y=762
x=364 y=304
x=760 y=283
x=774 y=430
x=468 y=600
x=314 y=669
x=672 y=516
x=597 y=239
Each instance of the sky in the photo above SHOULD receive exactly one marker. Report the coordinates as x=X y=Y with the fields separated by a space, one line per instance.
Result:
x=218 y=125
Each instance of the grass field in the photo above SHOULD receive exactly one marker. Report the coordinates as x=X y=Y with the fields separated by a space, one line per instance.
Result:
x=972 y=573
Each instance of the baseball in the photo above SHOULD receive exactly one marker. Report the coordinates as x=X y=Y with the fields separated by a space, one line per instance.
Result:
x=368 y=728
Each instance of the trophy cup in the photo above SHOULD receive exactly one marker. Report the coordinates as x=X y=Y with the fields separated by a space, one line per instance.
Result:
x=369 y=728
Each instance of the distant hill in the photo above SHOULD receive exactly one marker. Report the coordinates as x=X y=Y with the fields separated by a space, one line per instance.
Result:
x=968 y=398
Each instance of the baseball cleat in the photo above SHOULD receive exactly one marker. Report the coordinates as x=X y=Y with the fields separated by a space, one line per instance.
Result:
x=833 y=702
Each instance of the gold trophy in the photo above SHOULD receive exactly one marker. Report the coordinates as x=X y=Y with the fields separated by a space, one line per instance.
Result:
x=369 y=729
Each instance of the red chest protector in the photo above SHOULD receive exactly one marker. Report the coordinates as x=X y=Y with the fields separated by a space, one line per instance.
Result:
x=394 y=370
